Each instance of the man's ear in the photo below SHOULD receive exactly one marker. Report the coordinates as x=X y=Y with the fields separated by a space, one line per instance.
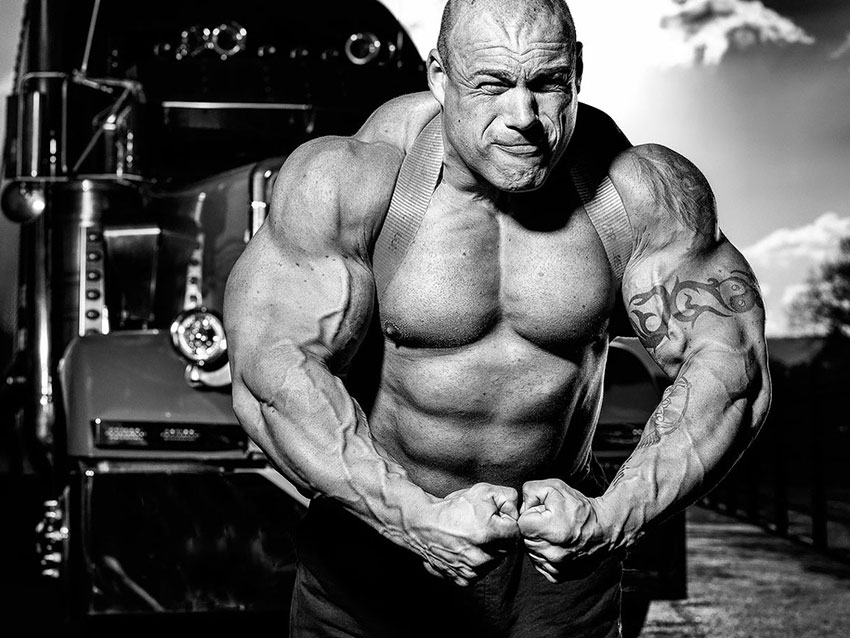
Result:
x=579 y=65
x=436 y=76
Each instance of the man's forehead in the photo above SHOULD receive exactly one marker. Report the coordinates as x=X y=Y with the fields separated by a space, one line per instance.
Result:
x=503 y=61
x=524 y=58
x=484 y=34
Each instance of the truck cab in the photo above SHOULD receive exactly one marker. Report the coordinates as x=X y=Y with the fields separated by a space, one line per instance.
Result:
x=142 y=144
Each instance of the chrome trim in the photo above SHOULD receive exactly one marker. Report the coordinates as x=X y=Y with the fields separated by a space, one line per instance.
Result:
x=197 y=377
x=259 y=212
x=259 y=208
x=280 y=106
x=30 y=125
x=35 y=133
x=94 y=13
x=93 y=317
x=193 y=296
x=52 y=535
x=45 y=415
x=197 y=39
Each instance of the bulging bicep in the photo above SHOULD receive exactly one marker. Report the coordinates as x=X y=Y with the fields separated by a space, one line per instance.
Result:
x=686 y=287
x=682 y=301
x=282 y=293
x=303 y=283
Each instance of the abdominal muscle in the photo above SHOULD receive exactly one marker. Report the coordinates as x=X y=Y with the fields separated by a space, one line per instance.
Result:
x=500 y=410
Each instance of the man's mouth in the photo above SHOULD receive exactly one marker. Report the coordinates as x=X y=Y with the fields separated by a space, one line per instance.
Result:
x=521 y=150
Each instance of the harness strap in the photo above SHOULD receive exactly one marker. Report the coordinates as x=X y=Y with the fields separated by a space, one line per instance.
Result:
x=605 y=209
x=416 y=183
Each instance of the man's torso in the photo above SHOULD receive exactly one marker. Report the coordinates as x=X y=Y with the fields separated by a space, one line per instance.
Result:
x=495 y=332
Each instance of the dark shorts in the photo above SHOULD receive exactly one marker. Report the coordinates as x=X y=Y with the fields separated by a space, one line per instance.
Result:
x=353 y=582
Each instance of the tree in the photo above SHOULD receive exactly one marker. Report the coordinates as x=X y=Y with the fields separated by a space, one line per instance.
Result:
x=824 y=303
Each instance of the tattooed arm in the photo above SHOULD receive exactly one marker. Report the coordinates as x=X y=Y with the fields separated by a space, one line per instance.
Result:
x=695 y=305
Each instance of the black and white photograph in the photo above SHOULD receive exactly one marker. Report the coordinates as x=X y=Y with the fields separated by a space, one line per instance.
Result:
x=425 y=318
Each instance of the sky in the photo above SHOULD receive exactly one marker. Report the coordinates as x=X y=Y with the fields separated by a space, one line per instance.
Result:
x=754 y=93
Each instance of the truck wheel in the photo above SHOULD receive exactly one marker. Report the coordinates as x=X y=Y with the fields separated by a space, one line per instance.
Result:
x=634 y=612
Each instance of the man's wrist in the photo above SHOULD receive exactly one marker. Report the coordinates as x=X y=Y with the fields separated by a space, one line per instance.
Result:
x=405 y=522
x=617 y=521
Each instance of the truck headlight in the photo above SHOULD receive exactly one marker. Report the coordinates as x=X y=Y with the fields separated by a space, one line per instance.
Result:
x=198 y=335
x=362 y=48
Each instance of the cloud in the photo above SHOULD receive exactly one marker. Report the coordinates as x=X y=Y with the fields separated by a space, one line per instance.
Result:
x=709 y=28
x=784 y=260
x=791 y=292
x=655 y=33
x=814 y=242
x=842 y=49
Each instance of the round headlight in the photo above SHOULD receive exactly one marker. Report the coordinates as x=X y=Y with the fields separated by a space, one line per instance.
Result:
x=228 y=39
x=198 y=335
x=362 y=48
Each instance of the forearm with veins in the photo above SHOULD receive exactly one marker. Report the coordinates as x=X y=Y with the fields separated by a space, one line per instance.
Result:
x=317 y=435
x=707 y=416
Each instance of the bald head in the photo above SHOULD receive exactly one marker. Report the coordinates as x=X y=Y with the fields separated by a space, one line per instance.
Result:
x=502 y=11
x=507 y=74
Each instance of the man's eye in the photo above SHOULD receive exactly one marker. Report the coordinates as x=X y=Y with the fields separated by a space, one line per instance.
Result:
x=551 y=86
x=493 y=87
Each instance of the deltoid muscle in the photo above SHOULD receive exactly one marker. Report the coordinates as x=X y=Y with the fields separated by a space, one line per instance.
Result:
x=687 y=300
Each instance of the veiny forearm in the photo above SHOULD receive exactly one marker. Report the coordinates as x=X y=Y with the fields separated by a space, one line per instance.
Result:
x=317 y=436
x=707 y=418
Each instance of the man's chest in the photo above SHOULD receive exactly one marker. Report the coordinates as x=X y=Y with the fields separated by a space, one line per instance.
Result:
x=466 y=274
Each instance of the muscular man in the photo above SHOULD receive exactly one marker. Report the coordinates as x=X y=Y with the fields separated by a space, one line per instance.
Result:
x=459 y=496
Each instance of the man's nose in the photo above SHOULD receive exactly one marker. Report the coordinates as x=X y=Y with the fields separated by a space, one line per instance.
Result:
x=522 y=109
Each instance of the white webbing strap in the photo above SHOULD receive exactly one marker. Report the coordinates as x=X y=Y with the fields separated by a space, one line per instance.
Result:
x=605 y=209
x=416 y=182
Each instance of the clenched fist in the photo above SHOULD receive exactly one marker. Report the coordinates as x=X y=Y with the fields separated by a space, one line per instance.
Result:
x=560 y=529
x=464 y=535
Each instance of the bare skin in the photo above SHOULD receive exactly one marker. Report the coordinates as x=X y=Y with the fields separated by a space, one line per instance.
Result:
x=497 y=326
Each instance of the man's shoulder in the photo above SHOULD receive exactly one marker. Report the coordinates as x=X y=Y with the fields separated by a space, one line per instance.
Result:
x=348 y=180
x=398 y=121
x=660 y=186
x=374 y=152
x=343 y=184
x=335 y=164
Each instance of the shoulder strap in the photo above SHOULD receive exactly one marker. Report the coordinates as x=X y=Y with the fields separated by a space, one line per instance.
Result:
x=608 y=216
x=416 y=182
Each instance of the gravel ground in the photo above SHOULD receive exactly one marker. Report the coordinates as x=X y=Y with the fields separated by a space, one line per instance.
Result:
x=745 y=583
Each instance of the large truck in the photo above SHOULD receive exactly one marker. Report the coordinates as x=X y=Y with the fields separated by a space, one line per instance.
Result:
x=142 y=144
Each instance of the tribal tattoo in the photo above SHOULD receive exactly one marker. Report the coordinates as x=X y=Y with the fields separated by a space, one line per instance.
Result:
x=652 y=311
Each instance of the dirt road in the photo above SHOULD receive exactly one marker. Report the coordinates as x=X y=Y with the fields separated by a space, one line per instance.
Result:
x=745 y=583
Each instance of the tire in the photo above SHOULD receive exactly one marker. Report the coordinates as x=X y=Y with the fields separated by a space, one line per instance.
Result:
x=635 y=609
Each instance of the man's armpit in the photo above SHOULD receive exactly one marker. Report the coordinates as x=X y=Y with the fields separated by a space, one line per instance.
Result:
x=664 y=308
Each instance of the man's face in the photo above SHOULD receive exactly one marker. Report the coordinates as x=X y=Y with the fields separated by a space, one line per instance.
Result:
x=509 y=98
